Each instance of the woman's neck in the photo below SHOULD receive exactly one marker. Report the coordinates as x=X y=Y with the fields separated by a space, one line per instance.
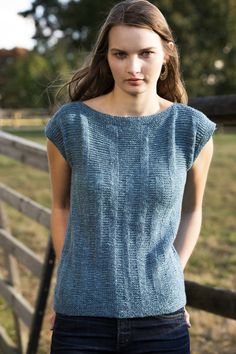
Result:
x=127 y=105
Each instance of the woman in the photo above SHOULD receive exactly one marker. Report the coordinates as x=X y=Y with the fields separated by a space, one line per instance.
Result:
x=128 y=163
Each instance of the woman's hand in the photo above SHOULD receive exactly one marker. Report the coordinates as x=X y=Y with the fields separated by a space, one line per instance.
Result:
x=187 y=318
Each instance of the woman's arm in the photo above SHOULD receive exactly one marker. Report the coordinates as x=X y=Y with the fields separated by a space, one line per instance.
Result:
x=191 y=216
x=60 y=174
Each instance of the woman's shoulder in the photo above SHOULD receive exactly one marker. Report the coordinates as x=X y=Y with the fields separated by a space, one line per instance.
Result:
x=190 y=114
x=186 y=108
x=75 y=108
x=99 y=103
x=67 y=113
x=191 y=120
x=183 y=109
x=66 y=108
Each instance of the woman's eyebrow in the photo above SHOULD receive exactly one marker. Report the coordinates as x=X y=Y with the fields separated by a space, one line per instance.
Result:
x=147 y=49
x=116 y=50
x=140 y=50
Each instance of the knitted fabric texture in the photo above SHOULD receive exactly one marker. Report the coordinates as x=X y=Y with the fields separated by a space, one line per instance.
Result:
x=127 y=184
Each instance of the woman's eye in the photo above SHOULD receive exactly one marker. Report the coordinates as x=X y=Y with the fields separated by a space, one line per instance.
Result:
x=147 y=54
x=120 y=55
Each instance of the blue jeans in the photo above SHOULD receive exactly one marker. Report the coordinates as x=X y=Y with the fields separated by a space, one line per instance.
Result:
x=143 y=335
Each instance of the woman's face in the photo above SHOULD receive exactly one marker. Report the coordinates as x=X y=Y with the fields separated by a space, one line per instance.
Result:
x=135 y=57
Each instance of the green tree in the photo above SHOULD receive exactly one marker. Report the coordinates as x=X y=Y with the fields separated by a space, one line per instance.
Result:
x=24 y=82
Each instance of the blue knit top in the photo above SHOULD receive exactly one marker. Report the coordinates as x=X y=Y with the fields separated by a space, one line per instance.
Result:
x=127 y=184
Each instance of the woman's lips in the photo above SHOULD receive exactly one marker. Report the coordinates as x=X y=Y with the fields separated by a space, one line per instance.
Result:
x=135 y=81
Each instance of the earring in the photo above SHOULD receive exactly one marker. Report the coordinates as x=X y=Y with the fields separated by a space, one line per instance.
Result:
x=164 y=74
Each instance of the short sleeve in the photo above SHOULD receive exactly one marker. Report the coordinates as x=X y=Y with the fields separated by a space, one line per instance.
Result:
x=204 y=129
x=55 y=132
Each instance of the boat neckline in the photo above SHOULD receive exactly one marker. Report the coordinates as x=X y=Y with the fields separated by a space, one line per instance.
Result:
x=120 y=119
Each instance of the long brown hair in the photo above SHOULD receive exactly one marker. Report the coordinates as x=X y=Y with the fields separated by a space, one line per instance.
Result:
x=95 y=78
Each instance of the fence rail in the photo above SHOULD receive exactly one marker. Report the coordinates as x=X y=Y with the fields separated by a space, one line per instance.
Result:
x=22 y=253
x=17 y=302
x=217 y=107
x=25 y=205
x=214 y=300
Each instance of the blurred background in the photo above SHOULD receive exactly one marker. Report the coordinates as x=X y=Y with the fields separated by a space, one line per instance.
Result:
x=42 y=42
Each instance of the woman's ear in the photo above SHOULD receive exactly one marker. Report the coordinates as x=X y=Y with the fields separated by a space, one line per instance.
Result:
x=171 y=47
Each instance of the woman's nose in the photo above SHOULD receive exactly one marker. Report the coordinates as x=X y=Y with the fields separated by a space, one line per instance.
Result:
x=134 y=66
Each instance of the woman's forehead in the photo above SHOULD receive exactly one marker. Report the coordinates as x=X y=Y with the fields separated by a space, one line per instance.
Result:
x=132 y=36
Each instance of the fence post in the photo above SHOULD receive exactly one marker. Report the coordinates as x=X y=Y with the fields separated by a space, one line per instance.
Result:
x=42 y=299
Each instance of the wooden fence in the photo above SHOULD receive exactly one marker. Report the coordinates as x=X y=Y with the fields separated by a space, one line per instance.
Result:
x=23 y=117
x=215 y=300
x=28 y=320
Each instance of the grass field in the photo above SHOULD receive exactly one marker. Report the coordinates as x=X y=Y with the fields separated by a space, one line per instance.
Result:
x=213 y=261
